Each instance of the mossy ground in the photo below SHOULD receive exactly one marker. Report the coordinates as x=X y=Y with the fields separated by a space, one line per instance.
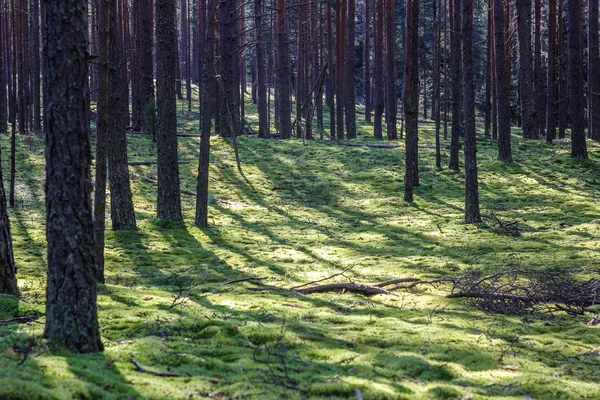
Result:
x=303 y=211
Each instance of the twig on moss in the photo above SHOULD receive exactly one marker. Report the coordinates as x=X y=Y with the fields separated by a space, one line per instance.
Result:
x=139 y=367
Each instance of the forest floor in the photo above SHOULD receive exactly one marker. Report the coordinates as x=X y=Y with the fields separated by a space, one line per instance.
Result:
x=301 y=212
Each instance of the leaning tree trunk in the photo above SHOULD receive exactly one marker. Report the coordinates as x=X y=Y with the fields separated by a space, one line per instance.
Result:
x=472 y=213
x=169 y=200
x=411 y=98
x=529 y=125
x=576 y=92
x=71 y=314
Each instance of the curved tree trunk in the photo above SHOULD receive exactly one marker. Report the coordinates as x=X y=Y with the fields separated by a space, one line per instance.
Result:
x=71 y=314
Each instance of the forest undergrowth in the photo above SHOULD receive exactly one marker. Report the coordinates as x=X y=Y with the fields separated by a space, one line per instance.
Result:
x=300 y=212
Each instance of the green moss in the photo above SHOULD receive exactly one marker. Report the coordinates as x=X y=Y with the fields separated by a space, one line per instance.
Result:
x=301 y=212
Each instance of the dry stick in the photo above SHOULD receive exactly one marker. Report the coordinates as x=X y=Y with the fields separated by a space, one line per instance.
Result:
x=324 y=279
x=394 y=281
x=421 y=282
x=139 y=367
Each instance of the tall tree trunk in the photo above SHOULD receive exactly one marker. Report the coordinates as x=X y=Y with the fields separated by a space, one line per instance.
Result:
x=563 y=98
x=8 y=270
x=502 y=85
x=378 y=61
x=3 y=74
x=411 y=98
x=35 y=66
x=229 y=79
x=392 y=132
x=121 y=203
x=261 y=71
x=283 y=70
x=530 y=129
x=350 y=72
x=437 y=52
x=207 y=100
x=146 y=63
x=472 y=213
x=367 y=60
x=576 y=90
x=456 y=57
x=340 y=32
x=540 y=89
x=169 y=200
x=593 y=71
x=331 y=76
x=551 y=103
x=101 y=134
x=71 y=314
x=488 y=75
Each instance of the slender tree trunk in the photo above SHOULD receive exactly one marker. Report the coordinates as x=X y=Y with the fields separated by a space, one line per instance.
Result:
x=340 y=32
x=169 y=200
x=472 y=213
x=121 y=203
x=540 y=90
x=502 y=85
x=488 y=74
x=71 y=314
x=530 y=129
x=551 y=103
x=563 y=98
x=456 y=61
x=367 y=60
x=378 y=70
x=576 y=90
x=146 y=62
x=392 y=132
x=350 y=72
x=207 y=102
x=593 y=71
x=437 y=52
x=411 y=98
x=101 y=134
x=3 y=75
x=331 y=76
x=35 y=66
x=261 y=71
x=8 y=270
x=283 y=70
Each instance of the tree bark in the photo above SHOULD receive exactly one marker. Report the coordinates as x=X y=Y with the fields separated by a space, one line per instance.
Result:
x=283 y=70
x=392 y=132
x=472 y=213
x=593 y=71
x=552 y=102
x=169 y=200
x=576 y=91
x=456 y=57
x=121 y=203
x=540 y=89
x=350 y=72
x=378 y=70
x=529 y=125
x=367 y=60
x=3 y=74
x=261 y=71
x=8 y=269
x=35 y=66
x=71 y=314
x=502 y=85
x=411 y=98
x=146 y=62
x=207 y=103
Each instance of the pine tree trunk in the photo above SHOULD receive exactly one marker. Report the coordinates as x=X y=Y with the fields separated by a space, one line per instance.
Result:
x=367 y=60
x=576 y=90
x=502 y=85
x=35 y=66
x=340 y=32
x=207 y=100
x=121 y=203
x=392 y=132
x=8 y=270
x=563 y=98
x=261 y=71
x=437 y=53
x=71 y=314
x=552 y=102
x=146 y=63
x=411 y=98
x=350 y=72
x=456 y=57
x=472 y=213
x=169 y=201
x=378 y=70
x=283 y=83
x=3 y=75
x=529 y=125
x=594 y=70
x=540 y=89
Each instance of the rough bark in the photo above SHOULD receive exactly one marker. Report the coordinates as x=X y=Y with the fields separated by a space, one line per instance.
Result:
x=3 y=75
x=502 y=85
x=563 y=98
x=146 y=66
x=350 y=71
x=455 y=44
x=552 y=102
x=169 y=200
x=528 y=114
x=367 y=60
x=472 y=213
x=411 y=98
x=207 y=103
x=331 y=75
x=340 y=32
x=437 y=52
x=576 y=90
x=392 y=132
x=378 y=62
x=540 y=84
x=121 y=203
x=71 y=314
x=35 y=66
x=261 y=71
x=593 y=71
x=8 y=269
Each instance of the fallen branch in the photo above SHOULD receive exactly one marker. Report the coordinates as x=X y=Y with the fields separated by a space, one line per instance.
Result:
x=394 y=281
x=20 y=320
x=324 y=279
x=184 y=191
x=139 y=367
x=344 y=287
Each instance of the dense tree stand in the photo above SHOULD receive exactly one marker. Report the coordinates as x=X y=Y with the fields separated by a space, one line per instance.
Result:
x=71 y=316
